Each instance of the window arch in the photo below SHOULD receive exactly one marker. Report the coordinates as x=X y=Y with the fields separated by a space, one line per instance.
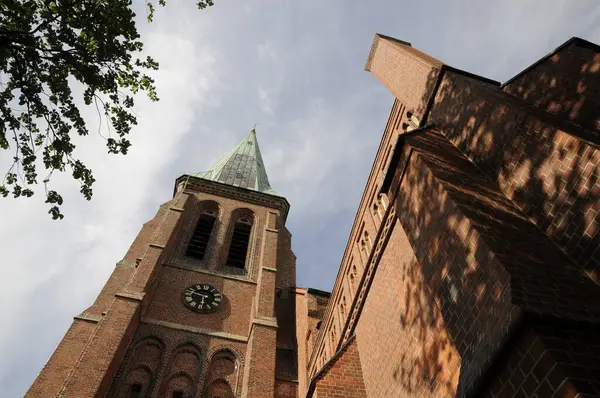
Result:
x=221 y=375
x=200 y=239
x=143 y=364
x=135 y=390
x=182 y=374
x=343 y=305
x=138 y=382
x=368 y=241
x=363 y=252
x=219 y=389
x=242 y=221
x=352 y=273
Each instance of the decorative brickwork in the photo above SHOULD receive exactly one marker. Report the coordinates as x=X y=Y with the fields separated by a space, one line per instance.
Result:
x=342 y=376
x=139 y=339
x=472 y=268
x=479 y=277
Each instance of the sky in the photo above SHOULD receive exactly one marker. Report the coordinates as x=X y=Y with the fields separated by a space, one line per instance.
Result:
x=296 y=70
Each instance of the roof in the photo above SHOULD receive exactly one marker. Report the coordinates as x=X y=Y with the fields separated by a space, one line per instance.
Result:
x=573 y=40
x=242 y=167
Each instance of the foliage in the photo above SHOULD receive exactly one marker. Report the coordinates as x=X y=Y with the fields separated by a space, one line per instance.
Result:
x=47 y=48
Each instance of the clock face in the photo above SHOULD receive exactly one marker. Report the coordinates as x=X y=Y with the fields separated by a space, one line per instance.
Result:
x=202 y=298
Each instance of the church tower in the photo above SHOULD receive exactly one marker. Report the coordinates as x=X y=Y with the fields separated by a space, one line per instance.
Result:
x=202 y=304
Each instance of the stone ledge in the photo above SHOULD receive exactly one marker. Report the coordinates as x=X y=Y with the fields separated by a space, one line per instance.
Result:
x=127 y=264
x=178 y=209
x=272 y=230
x=157 y=246
x=130 y=296
x=270 y=269
x=88 y=317
x=193 y=329
x=287 y=380
x=207 y=272
x=271 y=322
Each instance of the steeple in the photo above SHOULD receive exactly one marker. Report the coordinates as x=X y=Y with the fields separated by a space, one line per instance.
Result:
x=242 y=167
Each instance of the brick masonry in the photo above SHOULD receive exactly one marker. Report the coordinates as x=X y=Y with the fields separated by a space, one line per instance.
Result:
x=138 y=331
x=472 y=266
x=474 y=271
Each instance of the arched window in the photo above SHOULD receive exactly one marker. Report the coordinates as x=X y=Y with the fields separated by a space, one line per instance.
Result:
x=135 y=390
x=240 y=240
x=183 y=372
x=368 y=242
x=333 y=337
x=221 y=374
x=353 y=278
x=363 y=252
x=143 y=363
x=219 y=389
x=199 y=242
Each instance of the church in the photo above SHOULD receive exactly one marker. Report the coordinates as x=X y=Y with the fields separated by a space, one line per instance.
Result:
x=472 y=268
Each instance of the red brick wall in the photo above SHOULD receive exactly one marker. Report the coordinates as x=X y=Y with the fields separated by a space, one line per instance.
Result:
x=232 y=316
x=342 y=377
x=403 y=330
x=566 y=84
x=56 y=371
x=446 y=301
x=183 y=356
x=286 y=389
x=172 y=347
x=407 y=72
x=542 y=164
x=548 y=360
x=456 y=273
x=353 y=262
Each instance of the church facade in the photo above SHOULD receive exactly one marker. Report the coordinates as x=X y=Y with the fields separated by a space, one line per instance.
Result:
x=472 y=268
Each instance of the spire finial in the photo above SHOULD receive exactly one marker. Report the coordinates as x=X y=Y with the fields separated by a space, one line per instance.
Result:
x=253 y=129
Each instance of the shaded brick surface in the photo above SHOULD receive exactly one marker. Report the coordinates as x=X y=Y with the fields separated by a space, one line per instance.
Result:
x=138 y=331
x=342 y=377
x=479 y=277
x=566 y=84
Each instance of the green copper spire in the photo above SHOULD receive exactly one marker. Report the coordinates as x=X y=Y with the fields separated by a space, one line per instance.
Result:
x=242 y=167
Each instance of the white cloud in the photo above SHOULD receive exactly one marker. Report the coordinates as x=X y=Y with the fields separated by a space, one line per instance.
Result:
x=53 y=270
x=266 y=104
x=266 y=52
x=295 y=68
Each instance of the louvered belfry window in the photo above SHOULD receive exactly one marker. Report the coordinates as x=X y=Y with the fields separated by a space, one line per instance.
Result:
x=201 y=236
x=239 y=245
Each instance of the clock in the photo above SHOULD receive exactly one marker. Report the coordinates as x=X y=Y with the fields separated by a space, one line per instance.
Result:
x=202 y=298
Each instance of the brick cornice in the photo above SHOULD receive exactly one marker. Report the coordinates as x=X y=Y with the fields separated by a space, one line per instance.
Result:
x=84 y=316
x=193 y=329
x=210 y=272
x=191 y=184
x=321 y=372
x=134 y=296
